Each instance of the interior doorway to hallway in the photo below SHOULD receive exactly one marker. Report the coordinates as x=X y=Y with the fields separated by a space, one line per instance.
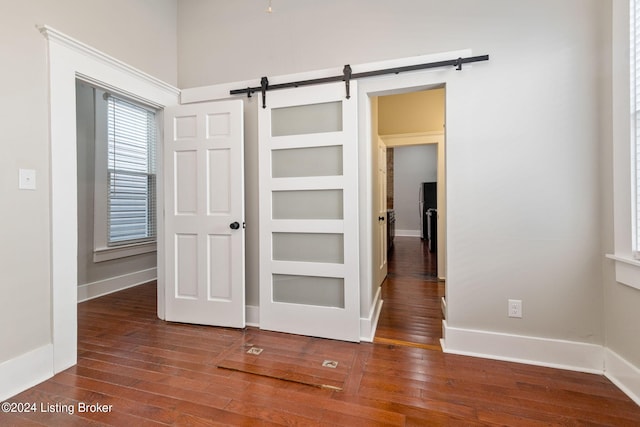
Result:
x=408 y=131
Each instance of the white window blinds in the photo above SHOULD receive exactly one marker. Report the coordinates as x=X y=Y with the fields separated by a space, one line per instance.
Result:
x=131 y=140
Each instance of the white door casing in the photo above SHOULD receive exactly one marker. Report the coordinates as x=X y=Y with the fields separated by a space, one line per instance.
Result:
x=204 y=214
x=309 y=255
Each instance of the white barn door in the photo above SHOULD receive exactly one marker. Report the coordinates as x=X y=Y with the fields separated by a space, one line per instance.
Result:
x=309 y=263
x=204 y=214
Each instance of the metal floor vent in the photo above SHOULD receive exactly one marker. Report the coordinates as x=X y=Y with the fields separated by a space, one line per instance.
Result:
x=330 y=364
x=254 y=350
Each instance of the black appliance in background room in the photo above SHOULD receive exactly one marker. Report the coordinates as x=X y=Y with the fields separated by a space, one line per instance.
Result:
x=429 y=214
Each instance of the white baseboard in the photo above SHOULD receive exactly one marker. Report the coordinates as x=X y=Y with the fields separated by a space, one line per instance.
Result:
x=553 y=353
x=25 y=371
x=623 y=374
x=369 y=324
x=408 y=233
x=252 y=315
x=115 y=284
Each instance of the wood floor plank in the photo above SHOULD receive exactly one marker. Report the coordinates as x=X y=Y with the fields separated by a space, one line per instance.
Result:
x=413 y=415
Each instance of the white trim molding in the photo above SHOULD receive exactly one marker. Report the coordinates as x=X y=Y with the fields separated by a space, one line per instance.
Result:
x=25 y=371
x=114 y=284
x=553 y=353
x=627 y=271
x=117 y=252
x=368 y=325
x=252 y=315
x=623 y=374
x=406 y=139
x=52 y=34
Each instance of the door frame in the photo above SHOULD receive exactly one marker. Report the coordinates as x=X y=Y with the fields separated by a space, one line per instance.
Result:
x=370 y=292
x=68 y=60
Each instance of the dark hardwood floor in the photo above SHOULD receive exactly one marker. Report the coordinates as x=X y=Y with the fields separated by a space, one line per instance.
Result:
x=144 y=372
x=411 y=312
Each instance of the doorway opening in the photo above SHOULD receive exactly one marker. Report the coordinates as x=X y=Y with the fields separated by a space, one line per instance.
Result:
x=408 y=130
x=116 y=181
x=70 y=60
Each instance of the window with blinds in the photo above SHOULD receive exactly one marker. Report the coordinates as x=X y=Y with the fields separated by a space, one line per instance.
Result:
x=131 y=178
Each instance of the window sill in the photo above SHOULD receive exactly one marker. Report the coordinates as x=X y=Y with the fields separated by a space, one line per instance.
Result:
x=106 y=254
x=627 y=270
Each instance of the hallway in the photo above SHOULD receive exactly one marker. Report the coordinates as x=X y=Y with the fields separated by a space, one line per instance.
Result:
x=412 y=297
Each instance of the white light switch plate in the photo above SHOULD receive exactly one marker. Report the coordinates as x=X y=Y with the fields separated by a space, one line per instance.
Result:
x=27 y=179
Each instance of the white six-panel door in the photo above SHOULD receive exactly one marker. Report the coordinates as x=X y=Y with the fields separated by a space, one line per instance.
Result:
x=309 y=272
x=204 y=214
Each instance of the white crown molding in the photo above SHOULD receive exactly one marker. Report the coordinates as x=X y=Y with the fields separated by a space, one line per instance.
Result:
x=54 y=35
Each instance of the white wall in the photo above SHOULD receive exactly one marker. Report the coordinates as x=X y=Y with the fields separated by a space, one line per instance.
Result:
x=413 y=165
x=523 y=179
x=145 y=38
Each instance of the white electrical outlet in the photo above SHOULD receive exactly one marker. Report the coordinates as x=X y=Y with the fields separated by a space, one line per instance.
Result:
x=515 y=308
x=26 y=179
